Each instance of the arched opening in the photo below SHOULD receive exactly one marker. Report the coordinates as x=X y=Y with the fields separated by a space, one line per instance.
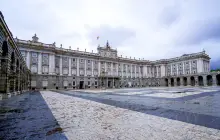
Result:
x=178 y=81
x=166 y=82
x=200 y=80
x=218 y=79
x=5 y=48
x=184 y=81
x=192 y=80
x=172 y=82
x=209 y=80
x=12 y=72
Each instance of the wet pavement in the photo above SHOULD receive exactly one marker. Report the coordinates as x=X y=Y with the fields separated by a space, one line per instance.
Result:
x=145 y=113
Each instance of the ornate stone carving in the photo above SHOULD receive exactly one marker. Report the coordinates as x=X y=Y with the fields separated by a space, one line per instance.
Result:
x=65 y=62
x=34 y=58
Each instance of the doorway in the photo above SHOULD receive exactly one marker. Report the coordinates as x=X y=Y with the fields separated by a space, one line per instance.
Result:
x=109 y=83
x=81 y=83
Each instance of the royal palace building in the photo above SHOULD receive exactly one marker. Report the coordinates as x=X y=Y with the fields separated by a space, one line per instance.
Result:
x=14 y=73
x=55 y=67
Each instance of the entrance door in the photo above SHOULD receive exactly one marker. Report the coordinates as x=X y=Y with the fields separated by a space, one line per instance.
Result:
x=81 y=84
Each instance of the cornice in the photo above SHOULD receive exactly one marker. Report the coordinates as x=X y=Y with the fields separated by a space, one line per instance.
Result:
x=77 y=53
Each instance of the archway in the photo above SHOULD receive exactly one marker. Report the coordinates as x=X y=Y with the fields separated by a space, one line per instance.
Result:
x=192 y=81
x=178 y=81
x=184 y=81
x=5 y=48
x=166 y=82
x=172 y=82
x=12 y=75
x=200 y=80
x=209 y=80
x=218 y=79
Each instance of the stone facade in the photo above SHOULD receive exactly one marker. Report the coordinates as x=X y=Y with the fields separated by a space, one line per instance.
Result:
x=54 y=67
x=15 y=76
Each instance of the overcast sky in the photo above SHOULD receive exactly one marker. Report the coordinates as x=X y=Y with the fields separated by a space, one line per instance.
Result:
x=150 y=29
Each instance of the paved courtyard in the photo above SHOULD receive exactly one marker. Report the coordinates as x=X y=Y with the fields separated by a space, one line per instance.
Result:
x=116 y=114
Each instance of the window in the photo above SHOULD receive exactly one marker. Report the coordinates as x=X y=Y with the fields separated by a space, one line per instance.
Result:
x=81 y=60
x=74 y=83
x=74 y=59
x=96 y=83
x=88 y=82
x=88 y=61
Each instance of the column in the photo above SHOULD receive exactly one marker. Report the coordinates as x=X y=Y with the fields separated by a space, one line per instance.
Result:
x=171 y=70
x=131 y=71
x=85 y=68
x=126 y=70
x=77 y=68
x=122 y=70
x=190 y=67
x=69 y=67
x=117 y=68
x=28 y=59
x=99 y=68
x=175 y=82
x=61 y=66
x=157 y=71
x=92 y=61
x=204 y=80
x=177 y=69
x=39 y=63
x=51 y=64
x=135 y=71
x=183 y=68
x=112 y=69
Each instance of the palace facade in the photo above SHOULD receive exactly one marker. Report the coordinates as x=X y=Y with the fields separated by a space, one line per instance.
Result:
x=55 y=67
x=14 y=74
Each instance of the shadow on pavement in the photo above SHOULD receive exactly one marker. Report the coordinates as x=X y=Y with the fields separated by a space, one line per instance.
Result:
x=188 y=117
x=28 y=117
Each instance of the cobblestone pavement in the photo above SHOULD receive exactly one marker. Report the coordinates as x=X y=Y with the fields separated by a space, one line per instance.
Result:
x=119 y=114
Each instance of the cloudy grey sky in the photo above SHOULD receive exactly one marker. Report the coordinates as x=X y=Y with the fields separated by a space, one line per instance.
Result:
x=150 y=29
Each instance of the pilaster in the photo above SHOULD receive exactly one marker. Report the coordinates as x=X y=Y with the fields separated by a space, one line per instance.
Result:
x=39 y=70
x=69 y=67
x=196 y=81
x=181 y=81
x=28 y=59
x=175 y=82
x=61 y=65
x=205 y=80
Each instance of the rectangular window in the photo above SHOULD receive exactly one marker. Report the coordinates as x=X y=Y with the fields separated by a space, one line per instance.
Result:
x=74 y=83
x=88 y=82
x=96 y=83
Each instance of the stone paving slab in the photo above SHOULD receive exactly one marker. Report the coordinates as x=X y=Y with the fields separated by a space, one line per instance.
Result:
x=77 y=115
